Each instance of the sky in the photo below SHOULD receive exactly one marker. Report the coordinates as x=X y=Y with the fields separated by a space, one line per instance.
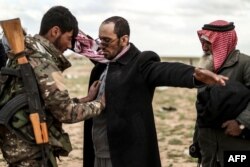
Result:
x=167 y=27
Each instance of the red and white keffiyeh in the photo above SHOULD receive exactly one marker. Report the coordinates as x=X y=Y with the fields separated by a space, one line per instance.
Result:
x=87 y=47
x=222 y=43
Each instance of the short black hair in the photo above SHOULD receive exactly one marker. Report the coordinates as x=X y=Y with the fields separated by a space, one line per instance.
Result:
x=59 y=16
x=121 y=25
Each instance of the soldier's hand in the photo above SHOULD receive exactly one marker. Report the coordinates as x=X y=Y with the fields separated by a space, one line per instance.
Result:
x=232 y=128
x=103 y=101
x=209 y=77
x=93 y=90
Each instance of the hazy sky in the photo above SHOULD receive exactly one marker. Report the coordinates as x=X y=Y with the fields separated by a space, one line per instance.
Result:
x=164 y=26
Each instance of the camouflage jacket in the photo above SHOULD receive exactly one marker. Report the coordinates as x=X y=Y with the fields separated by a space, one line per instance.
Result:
x=48 y=65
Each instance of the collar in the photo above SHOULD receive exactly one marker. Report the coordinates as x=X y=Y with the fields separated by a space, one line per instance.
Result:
x=128 y=55
x=56 y=55
x=232 y=58
x=121 y=53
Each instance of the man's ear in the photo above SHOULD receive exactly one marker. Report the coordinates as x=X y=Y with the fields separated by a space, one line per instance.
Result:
x=55 y=32
x=124 y=40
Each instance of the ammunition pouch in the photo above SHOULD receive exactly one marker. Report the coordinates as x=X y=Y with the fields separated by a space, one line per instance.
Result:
x=60 y=141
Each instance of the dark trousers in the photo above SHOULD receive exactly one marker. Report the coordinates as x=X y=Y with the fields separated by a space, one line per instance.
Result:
x=213 y=143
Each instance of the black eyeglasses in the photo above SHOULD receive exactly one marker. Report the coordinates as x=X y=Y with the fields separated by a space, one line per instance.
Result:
x=105 y=41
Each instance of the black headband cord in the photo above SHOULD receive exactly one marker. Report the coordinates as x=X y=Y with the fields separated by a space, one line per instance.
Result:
x=223 y=28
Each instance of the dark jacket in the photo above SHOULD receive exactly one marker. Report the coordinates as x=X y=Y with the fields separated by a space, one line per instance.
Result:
x=217 y=104
x=129 y=90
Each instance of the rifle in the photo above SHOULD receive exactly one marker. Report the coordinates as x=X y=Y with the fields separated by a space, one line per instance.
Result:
x=14 y=34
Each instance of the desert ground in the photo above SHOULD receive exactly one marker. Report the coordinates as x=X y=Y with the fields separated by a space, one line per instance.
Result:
x=174 y=112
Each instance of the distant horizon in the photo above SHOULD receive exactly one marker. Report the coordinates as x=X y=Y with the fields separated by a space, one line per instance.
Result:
x=180 y=56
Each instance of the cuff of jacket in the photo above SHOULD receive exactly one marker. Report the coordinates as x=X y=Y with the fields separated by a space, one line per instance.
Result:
x=197 y=84
x=244 y=118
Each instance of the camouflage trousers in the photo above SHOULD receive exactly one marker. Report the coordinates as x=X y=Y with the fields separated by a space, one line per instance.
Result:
x=19 y=153
x=30 y=163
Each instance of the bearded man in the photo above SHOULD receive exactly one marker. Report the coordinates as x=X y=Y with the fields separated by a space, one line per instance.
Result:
x=219 y=40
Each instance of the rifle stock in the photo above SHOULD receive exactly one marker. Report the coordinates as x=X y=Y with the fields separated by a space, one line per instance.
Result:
x=13 y=31
x=14 y=34
x=35 y=120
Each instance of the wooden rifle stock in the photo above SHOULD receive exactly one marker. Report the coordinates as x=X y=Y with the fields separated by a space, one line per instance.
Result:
x=39 y=128
x=14 y=33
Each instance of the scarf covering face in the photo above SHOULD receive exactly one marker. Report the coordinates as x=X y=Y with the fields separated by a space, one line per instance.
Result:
x=223 y=39
x=87 y=46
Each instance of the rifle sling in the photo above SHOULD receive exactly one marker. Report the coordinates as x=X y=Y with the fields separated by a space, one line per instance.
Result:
x=31 y=88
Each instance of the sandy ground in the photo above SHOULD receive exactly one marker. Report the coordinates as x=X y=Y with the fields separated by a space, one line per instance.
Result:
x=174 y=118
x=174 y=130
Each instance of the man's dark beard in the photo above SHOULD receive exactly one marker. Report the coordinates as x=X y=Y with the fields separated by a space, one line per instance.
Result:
x=57 y=44
x=206 y=62
x=118 y=51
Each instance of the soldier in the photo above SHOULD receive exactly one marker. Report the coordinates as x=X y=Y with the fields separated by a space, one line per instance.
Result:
x=44 y=52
